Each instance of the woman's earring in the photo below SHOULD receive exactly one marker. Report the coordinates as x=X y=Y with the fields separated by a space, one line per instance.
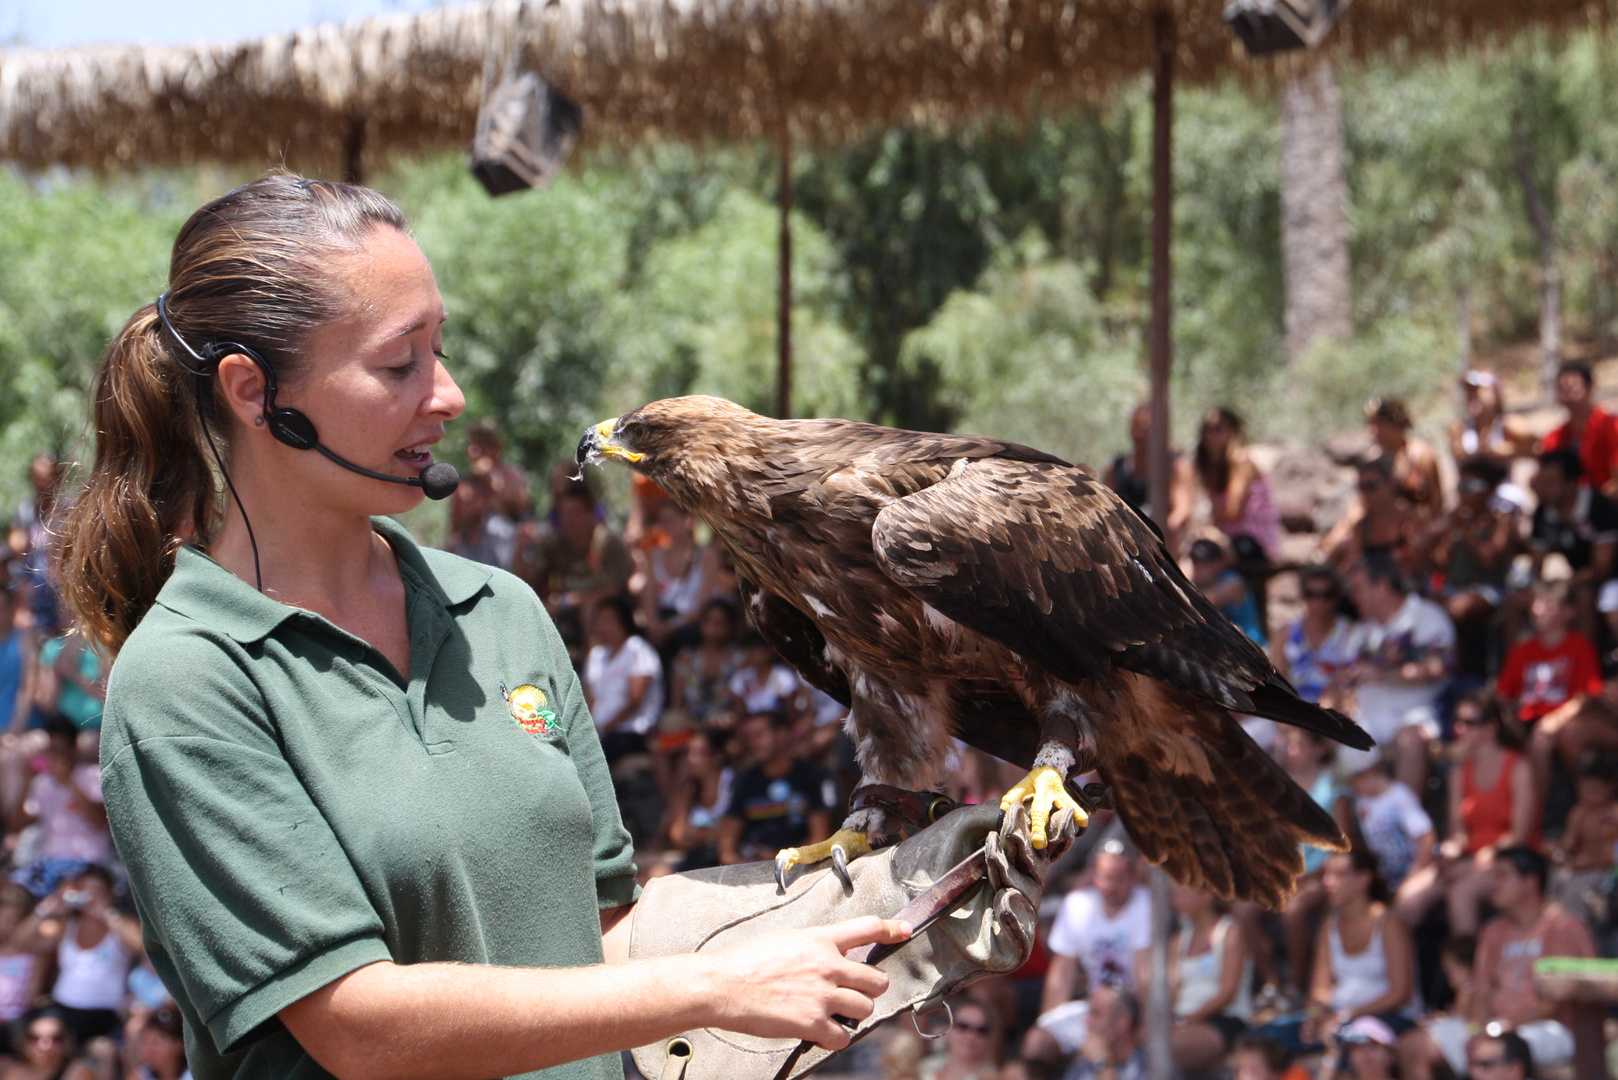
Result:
x=258 y=421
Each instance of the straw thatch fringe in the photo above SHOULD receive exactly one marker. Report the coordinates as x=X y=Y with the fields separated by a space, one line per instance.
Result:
x=407 y=84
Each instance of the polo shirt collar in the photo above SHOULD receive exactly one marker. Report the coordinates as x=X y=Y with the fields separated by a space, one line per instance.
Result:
x=202 y=590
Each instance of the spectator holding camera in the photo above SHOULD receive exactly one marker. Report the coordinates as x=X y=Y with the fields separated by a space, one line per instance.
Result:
x=95 y=947
x=66 y=801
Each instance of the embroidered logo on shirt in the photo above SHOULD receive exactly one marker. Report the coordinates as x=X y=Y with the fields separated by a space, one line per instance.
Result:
x=530 y=709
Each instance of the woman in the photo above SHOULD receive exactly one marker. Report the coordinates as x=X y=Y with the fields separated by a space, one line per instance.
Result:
x=971 y=1046
x=1210 y=977
x=95 y=947
x=1485 y=432
x=46 y=1050
x=320 y=788
x=1379 y=519
x=1240 y=496
x=1491 y=807
x=699 y=686
x=673 y=581
x=1308 y=758
x=1413 y=461
x=623 y=680
x=1315 y=647
x=158 y=1048
x=1364 y=959
x=1468 y=551
x=700 y=800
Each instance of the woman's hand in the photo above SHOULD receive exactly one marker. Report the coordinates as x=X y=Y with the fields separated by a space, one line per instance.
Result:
x=792 y=983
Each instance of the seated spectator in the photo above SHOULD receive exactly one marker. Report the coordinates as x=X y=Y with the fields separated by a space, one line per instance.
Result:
x=95 y=948
x=623 y=681
x=1258 y=1058
x=1526 y=929
x=1551 y=682
x=157 y=1047
x=1099 y=930
x=780 y=801
x=1365 y=964
x=79 y=683
x=18 y=656
x=1590 y=432
x=1403 y=650
x=1578 y=523
x=1113 y=1048
x=674 y=580
x=1315 y=647
x=1502 y=1056
x=1468 y=551
x=22 y=968
x=1390 y=817
x=46 y=1050
x=701 y=796
x=1210 y=980
x=1380 y=519
x=1485 y=432
x=65 y=800
x=574 y=565
x=1237 y=492
x=699 y=684
x=1412 y=461
x=1128 y=475
x=1214 y=572
x=1308 y=759
x=764 y=684
x=1366 y=1048
x=1492 y=805
x=1583 y=855
x=971 y=1049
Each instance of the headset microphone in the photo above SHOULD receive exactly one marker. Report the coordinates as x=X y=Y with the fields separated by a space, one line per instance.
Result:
x=438 y=480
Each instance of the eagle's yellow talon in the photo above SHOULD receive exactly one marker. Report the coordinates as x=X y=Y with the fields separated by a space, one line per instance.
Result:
x=1047 y=789
x=851 y=844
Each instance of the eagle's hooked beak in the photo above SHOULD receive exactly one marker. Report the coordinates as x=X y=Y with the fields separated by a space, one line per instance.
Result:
x=597 y=444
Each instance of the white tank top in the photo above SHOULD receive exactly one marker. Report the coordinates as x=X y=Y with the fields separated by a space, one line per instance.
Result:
x=1199 y=975
x=90 y=978
x=1361 y=977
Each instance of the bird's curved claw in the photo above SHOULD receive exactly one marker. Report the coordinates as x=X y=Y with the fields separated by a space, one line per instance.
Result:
x=1047 y=789
x=842 y=846
x=839 y=865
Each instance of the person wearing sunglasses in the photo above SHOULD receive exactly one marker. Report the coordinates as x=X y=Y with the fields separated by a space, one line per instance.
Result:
x=46 y=1050
x=971 y=1046
x=1466 y=554
x=1379 y=519
x=1315 y=646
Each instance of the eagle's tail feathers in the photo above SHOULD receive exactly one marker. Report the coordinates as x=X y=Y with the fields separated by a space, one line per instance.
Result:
x=1277 y=701
x=1238 y=836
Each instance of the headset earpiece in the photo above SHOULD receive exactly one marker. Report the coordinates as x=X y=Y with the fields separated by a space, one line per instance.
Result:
x=289 y=426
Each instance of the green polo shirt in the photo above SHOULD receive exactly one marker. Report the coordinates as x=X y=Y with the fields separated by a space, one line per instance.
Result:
x=291 y=809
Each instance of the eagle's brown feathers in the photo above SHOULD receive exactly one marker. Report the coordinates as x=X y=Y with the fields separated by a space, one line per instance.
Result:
x=945 y=584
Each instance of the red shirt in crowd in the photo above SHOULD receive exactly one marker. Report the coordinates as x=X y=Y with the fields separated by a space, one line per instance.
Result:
x=1539 y=678
x=1598 y=450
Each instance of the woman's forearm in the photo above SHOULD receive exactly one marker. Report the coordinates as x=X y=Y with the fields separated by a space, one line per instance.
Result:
x=463 y=1022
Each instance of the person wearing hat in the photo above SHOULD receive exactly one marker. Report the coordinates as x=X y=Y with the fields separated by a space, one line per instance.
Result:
x=1367 y=1052
x=1414 y=461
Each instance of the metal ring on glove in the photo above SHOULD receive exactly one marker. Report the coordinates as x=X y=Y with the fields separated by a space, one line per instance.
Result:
x=680 y=1048
x=949 y=1021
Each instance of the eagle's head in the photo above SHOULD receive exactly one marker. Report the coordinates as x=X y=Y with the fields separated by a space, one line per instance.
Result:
x=683 y=444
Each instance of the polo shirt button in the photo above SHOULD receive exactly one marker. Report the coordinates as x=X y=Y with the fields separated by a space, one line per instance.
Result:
x=356 y=654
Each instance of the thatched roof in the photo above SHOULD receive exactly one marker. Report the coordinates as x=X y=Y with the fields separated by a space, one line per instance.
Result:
x=411 y=83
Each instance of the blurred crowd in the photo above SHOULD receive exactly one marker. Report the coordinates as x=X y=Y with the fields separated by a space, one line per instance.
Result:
x=1463 y=608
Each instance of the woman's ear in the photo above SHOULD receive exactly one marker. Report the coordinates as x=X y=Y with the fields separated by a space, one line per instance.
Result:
x=241 y=382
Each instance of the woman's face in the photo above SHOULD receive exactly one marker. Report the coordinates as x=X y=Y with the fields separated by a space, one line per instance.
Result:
x=699 y=756
x=1370 y=1061
x=1189 y=902
x=716 y=626
x=45 y=1042
x=970 y=1038
x=1216 y=434
x=160 y=1051
x=1471 y=730
x=374 y=386
x=1342 y=881
x=609 y=627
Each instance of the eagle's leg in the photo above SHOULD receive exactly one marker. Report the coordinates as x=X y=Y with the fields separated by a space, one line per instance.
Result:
x=1046 y=786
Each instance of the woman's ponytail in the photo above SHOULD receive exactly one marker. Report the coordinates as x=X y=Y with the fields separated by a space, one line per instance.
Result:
x=150 y=490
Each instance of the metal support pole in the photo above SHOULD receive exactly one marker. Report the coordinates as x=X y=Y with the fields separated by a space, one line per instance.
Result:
x=1160 y=1062
x=783 y=371
x=1161 y=343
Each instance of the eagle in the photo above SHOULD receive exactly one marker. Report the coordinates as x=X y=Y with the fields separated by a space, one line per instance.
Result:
x=947 y=586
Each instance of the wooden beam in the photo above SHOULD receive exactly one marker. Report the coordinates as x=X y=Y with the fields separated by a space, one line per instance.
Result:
x=1161 y=340
x=783 y=368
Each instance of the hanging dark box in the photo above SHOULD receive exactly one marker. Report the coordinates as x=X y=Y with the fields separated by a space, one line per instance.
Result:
x=1271 y=26
x=526 y=130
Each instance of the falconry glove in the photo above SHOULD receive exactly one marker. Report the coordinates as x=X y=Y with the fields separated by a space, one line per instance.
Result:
x=990 y=931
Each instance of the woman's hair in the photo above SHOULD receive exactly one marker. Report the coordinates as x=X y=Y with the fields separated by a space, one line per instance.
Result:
x=1507 y=732
x=1363 y=861
x=1215 y=472
x=250 y=268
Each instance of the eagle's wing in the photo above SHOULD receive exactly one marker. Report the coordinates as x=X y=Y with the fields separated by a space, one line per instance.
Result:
x=795 y=638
